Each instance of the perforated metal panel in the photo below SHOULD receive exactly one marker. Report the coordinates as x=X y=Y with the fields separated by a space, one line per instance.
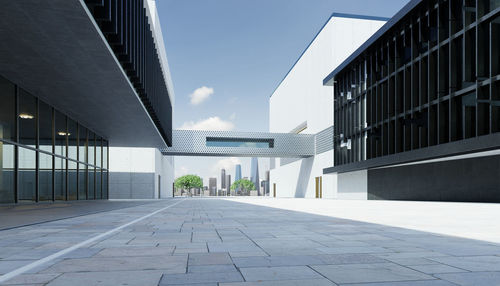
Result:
x=193 y=143
x=324 y=140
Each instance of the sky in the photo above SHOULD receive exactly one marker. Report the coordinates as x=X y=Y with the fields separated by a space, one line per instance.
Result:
x=226 y=57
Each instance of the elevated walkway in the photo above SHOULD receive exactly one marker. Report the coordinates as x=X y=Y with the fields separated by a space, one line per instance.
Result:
x=248 y=144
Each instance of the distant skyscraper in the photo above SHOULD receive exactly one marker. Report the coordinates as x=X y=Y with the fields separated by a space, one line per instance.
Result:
x=237 y=173
x=254 y=173
x=223 y=179
x=228 y=183
x=212 y=185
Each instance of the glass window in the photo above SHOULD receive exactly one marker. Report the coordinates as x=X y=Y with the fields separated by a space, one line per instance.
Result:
x=61 y=133
x=27 y=118
x=6 y=172
x=7 y=110
x=27 y=175
x=91 y=182
x=45 y=126
x=60 y=179
x=45 y=177
x=91 y=148
x=82 y=144
x=105 y=154
x=72 y=136
x=98 y=152
x=98 y=184
x=105 y=184
x=72 y=180
x=72 y=139
x=239 y=142
x=82 y=182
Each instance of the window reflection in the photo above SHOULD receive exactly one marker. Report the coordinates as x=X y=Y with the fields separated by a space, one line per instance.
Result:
x=59 y=138
x=98 y=184
x=45 y=127
x=105 y=154
x=72 y=136
x=27 y=174
x=82 y=182
x=7 y=110
x=45 y=177
x=6 y=173
x=98 y=151
x=105 y=184
x=27 y=118
x=91 y=183
x=60 y=179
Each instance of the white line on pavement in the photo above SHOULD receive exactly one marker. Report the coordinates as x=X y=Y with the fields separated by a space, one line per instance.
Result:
x=39 y=262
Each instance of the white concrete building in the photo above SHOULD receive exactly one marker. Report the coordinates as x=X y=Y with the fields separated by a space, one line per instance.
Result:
x=144 y=173
x=140 y=173
x=301 y=104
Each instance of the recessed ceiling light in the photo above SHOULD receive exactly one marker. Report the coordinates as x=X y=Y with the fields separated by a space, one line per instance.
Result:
x=26 y=116
x=62 y=133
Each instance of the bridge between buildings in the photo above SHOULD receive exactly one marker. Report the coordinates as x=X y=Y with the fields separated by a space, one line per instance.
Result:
x=248 y=144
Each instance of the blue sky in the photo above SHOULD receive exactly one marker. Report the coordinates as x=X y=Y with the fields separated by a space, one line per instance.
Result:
x=227 y=56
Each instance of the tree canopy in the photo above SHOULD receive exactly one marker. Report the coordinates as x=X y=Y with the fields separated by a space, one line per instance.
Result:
x=188 y=182
x=243 y=184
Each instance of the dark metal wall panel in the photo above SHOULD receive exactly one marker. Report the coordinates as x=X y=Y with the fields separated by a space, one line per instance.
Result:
x=127 y=30
x=465 y=180
x=430 y=79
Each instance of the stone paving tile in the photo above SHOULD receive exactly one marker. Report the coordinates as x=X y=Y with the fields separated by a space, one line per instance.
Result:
x=31 y=279
x=278 y=273
x=471 y=263
x=472 y=278
x=301 y=282
x=108 y=278
x=136 y=251
x=267 y=261
x=212 y=241
x=247 y=253
x=9 y=265
x=436 y=268
x=334 y=259
x=362 y=273
x=168 y=264
x=411 y=261
x=211 y=268
x=202 y=277
x=406 y=283
x=362 y=249
x=209 y=259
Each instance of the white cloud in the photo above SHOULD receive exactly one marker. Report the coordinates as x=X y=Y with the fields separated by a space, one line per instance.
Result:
x=233 y=116
x=227 y=163
x=211 y=123
x=201 y=94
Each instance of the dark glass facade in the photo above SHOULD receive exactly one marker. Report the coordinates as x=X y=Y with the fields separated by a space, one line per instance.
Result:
x=431 y=81
x=44 y=154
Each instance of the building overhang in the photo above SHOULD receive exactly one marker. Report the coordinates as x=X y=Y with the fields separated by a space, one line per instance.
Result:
x=55 y=50
x=442 y=151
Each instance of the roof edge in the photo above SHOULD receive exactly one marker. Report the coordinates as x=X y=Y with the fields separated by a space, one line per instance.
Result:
x=386 y=27
x=333 y=15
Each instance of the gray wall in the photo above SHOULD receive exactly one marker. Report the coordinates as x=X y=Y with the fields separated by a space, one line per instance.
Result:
x=466 y=180
x=124 y=185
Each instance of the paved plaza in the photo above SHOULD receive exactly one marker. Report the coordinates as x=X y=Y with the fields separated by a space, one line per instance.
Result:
x=257 y=241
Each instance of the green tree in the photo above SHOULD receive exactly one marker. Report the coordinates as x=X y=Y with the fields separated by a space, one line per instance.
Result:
x=244 y=185
x=188 y=182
